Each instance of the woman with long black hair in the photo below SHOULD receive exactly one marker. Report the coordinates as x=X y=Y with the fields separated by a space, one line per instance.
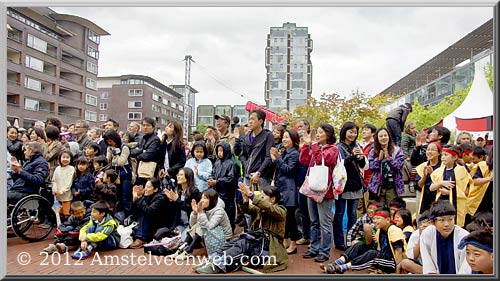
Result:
x=172 y=155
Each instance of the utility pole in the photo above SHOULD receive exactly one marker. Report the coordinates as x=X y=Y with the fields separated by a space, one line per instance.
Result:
x=187 y=106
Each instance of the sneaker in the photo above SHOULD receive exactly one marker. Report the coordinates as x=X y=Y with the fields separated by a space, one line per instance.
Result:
x=50 y=249
x=209 y=268
x=61 y=248
x=202 y=264
x=80 y=254
x=303 y=241
x=321 y=258
x=174 y=255
x=183 y=256
x=309 y=255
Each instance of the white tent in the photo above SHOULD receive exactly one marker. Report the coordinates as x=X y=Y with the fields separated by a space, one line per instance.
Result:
x=477 y=108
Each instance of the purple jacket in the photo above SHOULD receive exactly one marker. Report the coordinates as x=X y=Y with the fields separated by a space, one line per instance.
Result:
x=396 y=163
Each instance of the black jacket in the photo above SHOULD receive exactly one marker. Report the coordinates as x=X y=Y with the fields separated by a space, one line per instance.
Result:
x=176 y=159
x=255 y=156
x=32 y=176
x=185 y=205
x=156 y=208
x=147 y=150
x=223 y=173
x=399 y=114
x=354 y=180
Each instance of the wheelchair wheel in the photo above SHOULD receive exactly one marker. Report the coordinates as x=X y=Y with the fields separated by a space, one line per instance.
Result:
x=32 y=218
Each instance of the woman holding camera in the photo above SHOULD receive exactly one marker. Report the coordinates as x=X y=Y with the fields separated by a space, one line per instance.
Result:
x=118 y=155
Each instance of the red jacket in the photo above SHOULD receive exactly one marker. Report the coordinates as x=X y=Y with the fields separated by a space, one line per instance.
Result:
x=329 y=153
x=368 y=172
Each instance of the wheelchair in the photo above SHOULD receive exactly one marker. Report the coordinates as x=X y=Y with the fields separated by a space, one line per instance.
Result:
x=32 y=218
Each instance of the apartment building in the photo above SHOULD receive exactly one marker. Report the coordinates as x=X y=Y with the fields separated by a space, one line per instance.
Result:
x=52 y=66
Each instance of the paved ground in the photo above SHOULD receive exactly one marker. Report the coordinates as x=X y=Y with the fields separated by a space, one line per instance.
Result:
x=138 y=263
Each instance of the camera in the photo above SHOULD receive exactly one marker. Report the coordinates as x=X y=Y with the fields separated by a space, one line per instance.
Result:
x=169 y=184
x=116 y=151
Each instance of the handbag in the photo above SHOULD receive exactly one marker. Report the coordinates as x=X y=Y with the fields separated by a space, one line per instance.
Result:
x=318 y=177
x=214 y=239
x=339 y=176
x=314 y=195
x=125 y=233
x=146 y=169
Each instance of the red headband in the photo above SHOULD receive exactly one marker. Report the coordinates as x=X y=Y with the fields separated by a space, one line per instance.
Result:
x=394 y=206
x=466 y=152
x=452 y=152
x=380 y=214
x=440 y=148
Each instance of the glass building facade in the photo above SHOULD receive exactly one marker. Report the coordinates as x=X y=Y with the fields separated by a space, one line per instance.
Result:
x=289 y=69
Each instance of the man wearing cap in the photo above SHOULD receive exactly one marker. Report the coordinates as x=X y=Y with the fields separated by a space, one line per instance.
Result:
x=396 y=120
x=222 y=123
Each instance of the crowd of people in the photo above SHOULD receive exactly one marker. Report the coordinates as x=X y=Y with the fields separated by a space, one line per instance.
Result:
x=244 y=175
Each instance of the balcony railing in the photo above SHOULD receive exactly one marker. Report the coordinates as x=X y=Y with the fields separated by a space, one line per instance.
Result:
x=12 y=82
x=12 y=104
x=15 y=37
x=73 y=63
x=70 y=97
x=65 y=78
x=68 y=115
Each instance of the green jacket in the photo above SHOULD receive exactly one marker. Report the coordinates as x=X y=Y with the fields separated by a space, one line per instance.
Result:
x=273 y=218
x=102 y=230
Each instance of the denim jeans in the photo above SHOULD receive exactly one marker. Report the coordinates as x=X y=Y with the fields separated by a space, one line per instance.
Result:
x=321 y=226
x=304 y=214
x=340 y=207
x=143 y=229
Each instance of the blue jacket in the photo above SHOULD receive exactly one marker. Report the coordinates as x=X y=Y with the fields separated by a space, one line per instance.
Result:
x=286 y=169
x=85 y=183
x=32 y=176
x=204 y=172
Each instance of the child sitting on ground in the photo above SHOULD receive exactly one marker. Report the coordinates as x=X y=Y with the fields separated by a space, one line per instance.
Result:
x=439 y=242
x=413 y=262
x=402 y=218
x=357 y=232
x=67 y=232
x=99 y=233
x=396 y=204
x=390 y=250
x=479 y=251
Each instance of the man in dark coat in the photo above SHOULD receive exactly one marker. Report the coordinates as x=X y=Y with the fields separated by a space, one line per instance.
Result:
x=147 y=150
x=396 y=120
x=31 y=176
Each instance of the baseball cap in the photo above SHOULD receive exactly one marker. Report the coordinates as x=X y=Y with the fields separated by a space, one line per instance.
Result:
x=225 y=117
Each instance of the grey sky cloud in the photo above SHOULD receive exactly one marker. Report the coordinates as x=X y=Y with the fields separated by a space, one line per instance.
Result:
x=365 y=48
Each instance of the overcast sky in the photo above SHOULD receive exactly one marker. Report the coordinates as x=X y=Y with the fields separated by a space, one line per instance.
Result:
x=365 y=48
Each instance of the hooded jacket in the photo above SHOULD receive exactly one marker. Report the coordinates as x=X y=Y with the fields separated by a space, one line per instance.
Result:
x=223 y=173
x=396 y=163
x=212 y=218
x=255 y=156
x=32 y=176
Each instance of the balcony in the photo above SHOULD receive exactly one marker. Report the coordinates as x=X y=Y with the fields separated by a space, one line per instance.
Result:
x=72 y=60
x=15 y=35
x=70 y=94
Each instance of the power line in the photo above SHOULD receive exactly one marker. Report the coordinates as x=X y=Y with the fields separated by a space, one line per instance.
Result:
x=204 y=69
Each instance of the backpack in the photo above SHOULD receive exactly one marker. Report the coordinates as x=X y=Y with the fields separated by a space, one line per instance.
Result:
x=165 y=242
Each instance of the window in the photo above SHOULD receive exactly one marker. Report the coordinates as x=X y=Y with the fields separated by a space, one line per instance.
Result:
x=32 y=84
x=104 y=95
x=135 y=116
x=164 y=111
x=37 y=43
x=173 y=105
x=92 y=52
x=94 y=37
x=135 y=93
x=90 y=99
x=181 y=108
x=156 y=97
x=90 y=115
x=165 y=102
x=103 y=106
x=92 y=67
x=103 y=117
x=34 y=63
x=135 y=104
x=91 y=84
x=30 y=104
